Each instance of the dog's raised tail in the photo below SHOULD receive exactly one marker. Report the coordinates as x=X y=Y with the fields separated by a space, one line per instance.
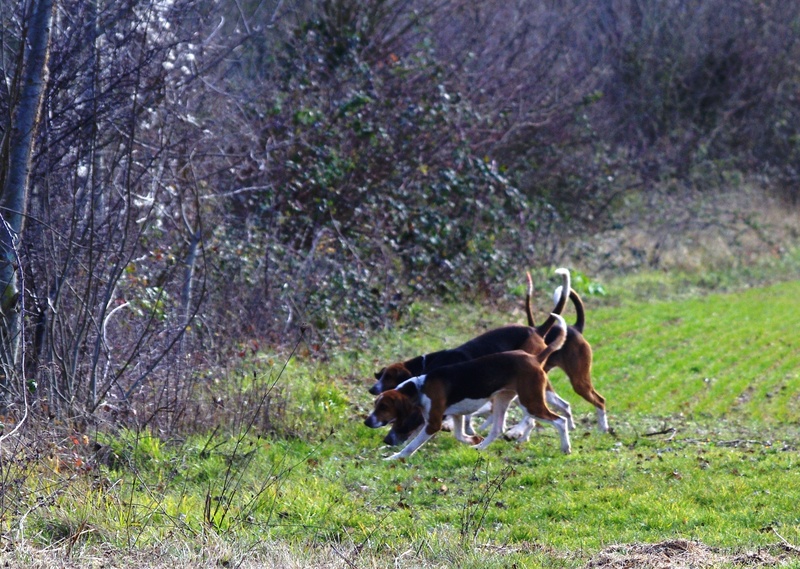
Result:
x=557 y=342
x=577 y=302
x=528 y=309
x=559 y=304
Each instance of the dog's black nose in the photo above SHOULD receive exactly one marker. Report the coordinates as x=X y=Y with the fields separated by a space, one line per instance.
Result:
x=373 y=422
x=375 y=390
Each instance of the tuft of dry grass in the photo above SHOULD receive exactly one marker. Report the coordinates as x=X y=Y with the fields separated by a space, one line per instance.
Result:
x=687 y=230
x=216 y=553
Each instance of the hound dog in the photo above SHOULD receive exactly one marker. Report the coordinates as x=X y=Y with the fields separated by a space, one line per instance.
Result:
x=575 y=357
x=507 y=338
x=463 y=388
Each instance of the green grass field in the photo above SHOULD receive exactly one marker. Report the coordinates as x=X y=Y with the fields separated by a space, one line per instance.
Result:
x=702 y=395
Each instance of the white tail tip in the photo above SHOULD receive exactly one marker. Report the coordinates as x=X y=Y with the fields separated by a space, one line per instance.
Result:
x=563 y=289
x=557 y=294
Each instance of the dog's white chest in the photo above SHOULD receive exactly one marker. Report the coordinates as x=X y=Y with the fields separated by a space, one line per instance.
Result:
x=466 y=406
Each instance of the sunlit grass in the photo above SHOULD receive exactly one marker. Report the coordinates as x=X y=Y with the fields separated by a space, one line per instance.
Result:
x=724 y=354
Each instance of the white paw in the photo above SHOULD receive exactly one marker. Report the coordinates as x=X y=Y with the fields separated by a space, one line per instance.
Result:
x=602 y=421
x=515 y=433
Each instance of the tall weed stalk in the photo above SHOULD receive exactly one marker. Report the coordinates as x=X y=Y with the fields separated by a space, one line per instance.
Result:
x=481 y=497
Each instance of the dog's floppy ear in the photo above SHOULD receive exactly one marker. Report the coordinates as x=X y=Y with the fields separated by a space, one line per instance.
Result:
x=378 y=374
x=409 y=389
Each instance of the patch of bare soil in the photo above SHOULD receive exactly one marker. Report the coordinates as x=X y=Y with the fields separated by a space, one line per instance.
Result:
x=680 y=553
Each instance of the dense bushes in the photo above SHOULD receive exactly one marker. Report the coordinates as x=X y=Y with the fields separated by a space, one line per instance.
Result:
x=374 y=194
x=585 y=101
x=435 y=159
x=692 y=83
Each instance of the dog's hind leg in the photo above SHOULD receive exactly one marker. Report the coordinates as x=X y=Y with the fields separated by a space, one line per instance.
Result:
x=583 y=387
x=561 y=427
x=562 y=405
x=578 y=367
x=533 y=399
x=602 y=420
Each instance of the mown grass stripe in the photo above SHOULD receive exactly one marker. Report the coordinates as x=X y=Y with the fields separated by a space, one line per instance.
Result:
x=705 y=352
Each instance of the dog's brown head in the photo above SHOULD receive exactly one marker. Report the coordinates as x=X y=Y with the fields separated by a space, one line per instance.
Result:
x=390 y=406
x=394 y=406
x=390 y=377
x=402 y=430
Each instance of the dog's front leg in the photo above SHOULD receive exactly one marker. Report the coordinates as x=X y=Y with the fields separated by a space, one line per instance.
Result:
x=412 y=446
x=468 y=428
x=458 y=428
x=499 y=408
x=522 y=431
x=486 y=409
x=433 y=413
x=458 y=431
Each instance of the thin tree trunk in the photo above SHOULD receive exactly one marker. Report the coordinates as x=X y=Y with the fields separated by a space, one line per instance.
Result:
x=16 y=162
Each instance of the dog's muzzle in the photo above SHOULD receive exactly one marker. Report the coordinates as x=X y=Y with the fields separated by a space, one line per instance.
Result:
x=373 y=422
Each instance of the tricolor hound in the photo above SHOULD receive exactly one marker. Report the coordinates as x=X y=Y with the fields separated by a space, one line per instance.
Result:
x=514 y=337
x=575 y=357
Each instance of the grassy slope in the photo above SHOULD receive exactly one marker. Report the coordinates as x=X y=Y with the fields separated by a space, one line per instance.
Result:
x=722 y=370
x=719 y=374
x=724 y=355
